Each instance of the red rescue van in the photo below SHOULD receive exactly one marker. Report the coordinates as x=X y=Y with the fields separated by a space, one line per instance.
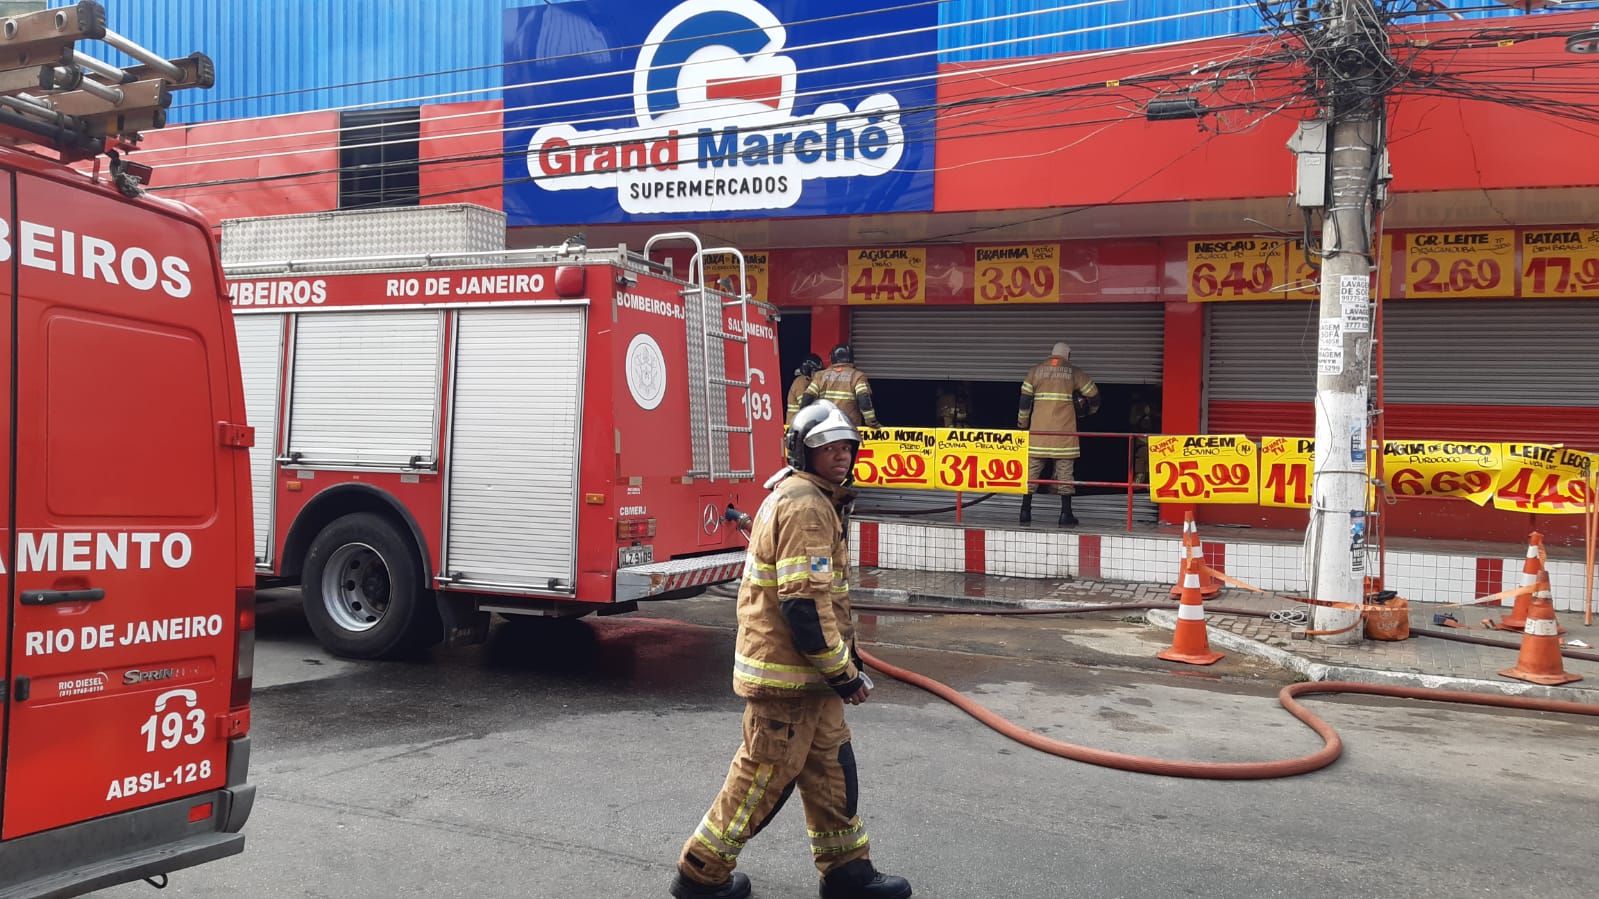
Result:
x=126 y=634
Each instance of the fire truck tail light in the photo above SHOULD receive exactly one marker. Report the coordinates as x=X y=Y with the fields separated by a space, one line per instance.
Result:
x=199 y=812
x=635 y=528
x=243 y=648
x=570 y=280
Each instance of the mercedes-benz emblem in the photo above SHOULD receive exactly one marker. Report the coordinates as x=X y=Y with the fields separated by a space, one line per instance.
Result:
x=710 y=519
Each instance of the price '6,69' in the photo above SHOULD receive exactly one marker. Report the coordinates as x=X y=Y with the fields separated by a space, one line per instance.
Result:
x=1410 y=482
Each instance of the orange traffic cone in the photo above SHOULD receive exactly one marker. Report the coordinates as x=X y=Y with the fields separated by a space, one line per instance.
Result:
x=1189 y=643
x=1539 y=662
x=1208 y=586
x=1517 y=619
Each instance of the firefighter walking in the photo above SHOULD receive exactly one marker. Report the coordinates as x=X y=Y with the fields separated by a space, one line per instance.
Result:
x=795 y=666
x=846 y=387
x=1053 y=393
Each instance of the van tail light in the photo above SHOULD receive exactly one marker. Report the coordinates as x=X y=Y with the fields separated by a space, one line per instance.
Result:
x=635 y=528
x=243 y=649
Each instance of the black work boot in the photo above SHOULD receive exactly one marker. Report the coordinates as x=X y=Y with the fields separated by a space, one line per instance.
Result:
x=1067 y=519
x=1027 y=508
x=735 y=887
x=859 y=880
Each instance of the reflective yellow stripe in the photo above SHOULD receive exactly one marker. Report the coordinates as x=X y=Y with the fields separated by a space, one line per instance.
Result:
x=1058 y=397
x=770 y=674
x=759 y=573
x=862 y=388
x=836 y=395
x=827 y=843
x=1027 y=388
x=741 y=818
x=712 y=839
x=832 y=661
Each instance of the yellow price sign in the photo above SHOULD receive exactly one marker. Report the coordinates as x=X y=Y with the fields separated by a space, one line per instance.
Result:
x=1474 y=264
x=1303 y=273
x=1285 y=467
x=725 y=265
x=896 y=457
x=1468 y=469
x=1543 y=479
x=979 y=461
x=1025 y=273
x=1241 y=269
x=1562 y=262
x=1202 y=468
x=887 y=276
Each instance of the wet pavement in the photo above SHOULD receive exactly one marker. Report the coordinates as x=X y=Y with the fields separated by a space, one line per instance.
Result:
x=1432 y=657
x=569 y=760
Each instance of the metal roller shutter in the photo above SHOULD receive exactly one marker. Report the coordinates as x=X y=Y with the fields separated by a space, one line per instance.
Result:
x=1495 y=353
x=512 y=490
x=365 y=391
x=1464 y=352
x=260 y=339
x=1115 y=343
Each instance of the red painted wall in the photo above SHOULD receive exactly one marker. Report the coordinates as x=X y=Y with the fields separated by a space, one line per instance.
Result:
x=249 y=167
x=1078 y=145
x=460 y=154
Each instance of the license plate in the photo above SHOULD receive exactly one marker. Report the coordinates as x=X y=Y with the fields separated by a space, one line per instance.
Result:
x=629 y=556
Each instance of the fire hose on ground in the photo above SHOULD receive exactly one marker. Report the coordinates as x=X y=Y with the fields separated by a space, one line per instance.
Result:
x=1332 y=744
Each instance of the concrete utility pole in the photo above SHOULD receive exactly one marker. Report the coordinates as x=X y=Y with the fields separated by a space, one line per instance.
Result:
x=1354 y=45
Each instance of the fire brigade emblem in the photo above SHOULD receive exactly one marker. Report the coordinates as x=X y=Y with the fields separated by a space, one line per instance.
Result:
x=646 y=371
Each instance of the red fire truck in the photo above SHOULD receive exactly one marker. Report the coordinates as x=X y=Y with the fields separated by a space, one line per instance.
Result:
x=447 y=428
x=126 y=634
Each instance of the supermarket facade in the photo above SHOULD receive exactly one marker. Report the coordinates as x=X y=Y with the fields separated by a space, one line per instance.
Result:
x=952 y=215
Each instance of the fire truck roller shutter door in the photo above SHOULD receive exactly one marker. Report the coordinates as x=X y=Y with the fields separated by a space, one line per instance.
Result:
x=260 y=339
x=365 y=596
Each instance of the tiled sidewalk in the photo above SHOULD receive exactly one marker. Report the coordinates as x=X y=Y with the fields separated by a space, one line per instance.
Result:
x=1419 y=661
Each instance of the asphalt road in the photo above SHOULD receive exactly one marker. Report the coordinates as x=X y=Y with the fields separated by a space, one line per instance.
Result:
x=570 y=762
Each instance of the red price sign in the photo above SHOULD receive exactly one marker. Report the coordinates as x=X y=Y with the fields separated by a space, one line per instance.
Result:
x=1285 y=466
x=972 y=460
x=1203 y=468
x=725 y=265
x=882 y=277
x=1443 y=264
x=1543 y=479
x=1244 y=269
x=896 y=457
x=1017 y=274
x=1560 y=263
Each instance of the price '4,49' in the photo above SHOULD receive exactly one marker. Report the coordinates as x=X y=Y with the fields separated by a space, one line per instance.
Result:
x=886 y=285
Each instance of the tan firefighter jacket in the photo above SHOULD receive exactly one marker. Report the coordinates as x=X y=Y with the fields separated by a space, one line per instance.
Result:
x=1048 y=405
x=844 y=386
x=795 y=636
x=796 y=392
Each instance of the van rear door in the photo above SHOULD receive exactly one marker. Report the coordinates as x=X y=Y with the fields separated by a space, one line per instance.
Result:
x=123 y=545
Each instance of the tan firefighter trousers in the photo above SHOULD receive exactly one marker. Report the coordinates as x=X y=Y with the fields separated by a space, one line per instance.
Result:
x=1061 y=470
x=788 y=743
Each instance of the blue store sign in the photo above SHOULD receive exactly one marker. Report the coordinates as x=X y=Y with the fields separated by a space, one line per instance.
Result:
x=712 y=109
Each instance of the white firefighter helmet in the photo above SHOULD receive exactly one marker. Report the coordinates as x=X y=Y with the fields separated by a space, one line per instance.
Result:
x=818 y=424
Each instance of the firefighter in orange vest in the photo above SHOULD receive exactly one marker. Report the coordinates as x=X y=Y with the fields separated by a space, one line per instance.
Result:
x=1053 y=394
x=844 y=386
x=802 y=379
x=796 y=667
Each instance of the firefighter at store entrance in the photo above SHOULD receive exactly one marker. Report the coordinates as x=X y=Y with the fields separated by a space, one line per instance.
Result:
x=1053 y=394
x=795 y=665
x=846 y=387
x=802 y=379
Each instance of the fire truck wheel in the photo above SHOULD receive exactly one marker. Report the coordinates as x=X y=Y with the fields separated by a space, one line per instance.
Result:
x=363 y=590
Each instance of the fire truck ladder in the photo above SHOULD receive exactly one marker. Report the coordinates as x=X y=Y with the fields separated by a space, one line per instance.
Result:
x=708 y=340
x=54 y=96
